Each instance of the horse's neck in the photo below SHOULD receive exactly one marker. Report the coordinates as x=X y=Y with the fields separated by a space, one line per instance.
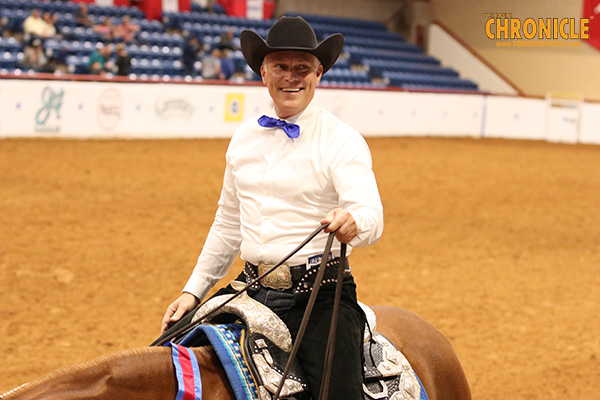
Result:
x=144 y=374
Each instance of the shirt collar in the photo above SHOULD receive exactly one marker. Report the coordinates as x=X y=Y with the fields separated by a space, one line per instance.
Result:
x=302 y=118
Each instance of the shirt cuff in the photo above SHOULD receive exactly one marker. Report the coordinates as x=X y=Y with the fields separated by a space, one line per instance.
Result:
x=199 y=285
x=369 y=227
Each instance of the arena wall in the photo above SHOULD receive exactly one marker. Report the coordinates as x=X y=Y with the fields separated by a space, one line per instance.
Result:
x=73 y=109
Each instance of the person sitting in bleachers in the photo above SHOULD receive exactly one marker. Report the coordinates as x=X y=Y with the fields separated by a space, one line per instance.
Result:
x=211 y=65
x=49 y=25
x=191 y=51
x=227 y=65
x=227 y=40
x=34 y=27
x=123 y=61
x=105 y=29
x=34 y=56
x=205 y=5
x=83 y=17
x=126 y=31
x=98 y=62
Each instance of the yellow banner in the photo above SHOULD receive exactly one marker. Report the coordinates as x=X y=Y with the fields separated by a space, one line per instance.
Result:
x=234 y=107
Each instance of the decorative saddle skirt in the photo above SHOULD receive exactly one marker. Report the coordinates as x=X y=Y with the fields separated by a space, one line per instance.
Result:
x=255 y=348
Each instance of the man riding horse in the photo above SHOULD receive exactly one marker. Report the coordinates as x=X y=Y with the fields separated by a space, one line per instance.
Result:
x=286 y=173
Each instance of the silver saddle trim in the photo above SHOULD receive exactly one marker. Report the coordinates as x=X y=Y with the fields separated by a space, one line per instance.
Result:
x=371 y=321
x=258 y=317
x=392 y=363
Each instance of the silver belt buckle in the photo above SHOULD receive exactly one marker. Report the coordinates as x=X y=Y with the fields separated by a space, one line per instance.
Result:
x=279 y=279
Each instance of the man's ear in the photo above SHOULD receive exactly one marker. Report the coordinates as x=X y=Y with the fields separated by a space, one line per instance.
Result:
x=319 y=73
x=263 y=72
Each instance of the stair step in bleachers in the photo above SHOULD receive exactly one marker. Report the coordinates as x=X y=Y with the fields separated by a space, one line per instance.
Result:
x=413 y=80
x=399 y=45
x=378 y=66
x=466 y=86
x=348 y=75
x=357 y=54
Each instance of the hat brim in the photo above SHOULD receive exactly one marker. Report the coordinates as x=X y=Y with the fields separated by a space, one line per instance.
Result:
x=255 y=48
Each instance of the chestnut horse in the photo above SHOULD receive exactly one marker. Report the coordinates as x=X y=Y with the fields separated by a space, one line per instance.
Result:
x=148 y=373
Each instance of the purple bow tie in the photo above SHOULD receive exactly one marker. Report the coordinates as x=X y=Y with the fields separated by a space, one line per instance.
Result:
x=292 y=130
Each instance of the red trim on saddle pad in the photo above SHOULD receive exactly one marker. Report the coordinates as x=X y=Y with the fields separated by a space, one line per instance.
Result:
x=189 y=384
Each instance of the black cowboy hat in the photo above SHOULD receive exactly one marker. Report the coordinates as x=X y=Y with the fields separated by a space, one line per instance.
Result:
x=290 y=34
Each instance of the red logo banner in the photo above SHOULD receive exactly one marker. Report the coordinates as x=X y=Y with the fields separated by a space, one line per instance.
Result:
x=591 y=10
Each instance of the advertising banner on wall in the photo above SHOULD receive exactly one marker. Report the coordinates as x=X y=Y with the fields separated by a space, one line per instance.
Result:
x=66 y=109
x=94 y=109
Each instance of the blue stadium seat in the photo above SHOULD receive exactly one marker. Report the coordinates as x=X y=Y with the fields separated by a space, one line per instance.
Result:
x=149 y=26
x=10 y=44
x=78 y=64
x=9 y=59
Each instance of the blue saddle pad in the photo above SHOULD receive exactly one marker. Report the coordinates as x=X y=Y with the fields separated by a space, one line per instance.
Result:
x=225 y=339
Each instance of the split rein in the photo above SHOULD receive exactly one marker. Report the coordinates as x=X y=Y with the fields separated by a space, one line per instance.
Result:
x=311 y=302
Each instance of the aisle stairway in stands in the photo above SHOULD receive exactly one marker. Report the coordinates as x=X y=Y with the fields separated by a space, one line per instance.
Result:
x=372 y=57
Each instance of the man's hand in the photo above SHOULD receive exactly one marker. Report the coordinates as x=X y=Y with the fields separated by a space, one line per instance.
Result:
x=341 y=220
x=186 y=302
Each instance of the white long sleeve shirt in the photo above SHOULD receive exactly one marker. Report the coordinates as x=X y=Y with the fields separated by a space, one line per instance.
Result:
x=276 y=190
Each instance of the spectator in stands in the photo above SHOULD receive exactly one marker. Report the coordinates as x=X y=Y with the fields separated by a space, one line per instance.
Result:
x=83 y=17
x=227 y=65
x=190 y=54
x=202 y=3
x=49 y=25
x=105 y=29
x=126 y=31
x=34 y=27
x=211 y=65
x=123 y=61
x=34 y=56
x=206 y=5
x=99 y=62
x=227 y=40
x=51 y=66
